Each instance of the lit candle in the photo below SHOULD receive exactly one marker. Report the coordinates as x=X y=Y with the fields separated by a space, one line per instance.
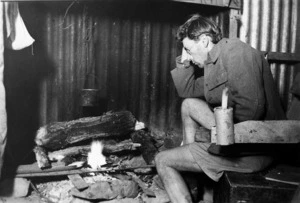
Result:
x=225 y=98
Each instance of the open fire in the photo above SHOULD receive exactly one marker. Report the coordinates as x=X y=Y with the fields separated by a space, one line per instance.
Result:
x=110 y=157
x=95 y=157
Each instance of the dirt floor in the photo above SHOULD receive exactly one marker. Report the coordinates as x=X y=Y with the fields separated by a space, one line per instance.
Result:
x=61 y=190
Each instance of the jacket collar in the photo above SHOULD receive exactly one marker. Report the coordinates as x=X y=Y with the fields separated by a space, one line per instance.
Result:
x=215 y=52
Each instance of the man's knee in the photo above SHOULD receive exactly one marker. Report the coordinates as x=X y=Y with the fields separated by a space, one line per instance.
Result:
x=188 y=104
x=159 y=159
x=162 y=160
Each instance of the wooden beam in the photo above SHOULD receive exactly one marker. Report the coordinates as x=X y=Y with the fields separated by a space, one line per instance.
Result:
x=225 y=3
x=236 y=4
x=283 y=57
x=281 y=131
x=285 y=131
x=32 y=170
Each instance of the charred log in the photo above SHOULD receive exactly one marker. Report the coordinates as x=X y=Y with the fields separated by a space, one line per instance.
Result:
x=58 y=135
x=41 y=157
x=148 y=148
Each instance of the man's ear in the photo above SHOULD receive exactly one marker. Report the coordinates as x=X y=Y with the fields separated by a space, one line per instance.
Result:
x=205 y=40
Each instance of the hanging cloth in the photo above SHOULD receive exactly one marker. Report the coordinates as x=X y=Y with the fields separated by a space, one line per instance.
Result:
x=3 y=116
x=17 y=36
x=13 y=35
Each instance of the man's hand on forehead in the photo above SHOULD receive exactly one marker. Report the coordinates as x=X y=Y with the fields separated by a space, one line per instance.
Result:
x=185 y=56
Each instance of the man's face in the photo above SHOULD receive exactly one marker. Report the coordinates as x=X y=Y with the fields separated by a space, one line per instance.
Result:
x=197 y=50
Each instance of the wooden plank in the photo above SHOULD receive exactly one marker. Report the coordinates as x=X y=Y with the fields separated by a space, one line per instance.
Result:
x=284 y=174
x=280 y=132
x=284 y=57
x=78 y=182
x=33 y=168
x=66 y=171
x=285 y=131
x=225 y=3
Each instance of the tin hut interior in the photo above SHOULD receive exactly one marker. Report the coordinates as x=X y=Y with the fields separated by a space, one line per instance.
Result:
x=125 y=50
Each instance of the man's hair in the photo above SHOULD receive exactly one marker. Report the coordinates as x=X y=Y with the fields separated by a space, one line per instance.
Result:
x=198 y=25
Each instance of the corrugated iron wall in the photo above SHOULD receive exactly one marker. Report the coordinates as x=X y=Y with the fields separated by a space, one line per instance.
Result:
x=125 y=49
x=271 y=25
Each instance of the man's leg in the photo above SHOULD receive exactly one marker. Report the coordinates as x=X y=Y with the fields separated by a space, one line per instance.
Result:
x=168 y=164
x=195 y=112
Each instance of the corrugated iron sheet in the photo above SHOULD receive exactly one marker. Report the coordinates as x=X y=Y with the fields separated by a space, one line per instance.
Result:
x=271 y=25
x=126 y=50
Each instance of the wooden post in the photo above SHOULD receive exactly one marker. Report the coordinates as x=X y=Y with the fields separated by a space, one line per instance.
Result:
x=233 y=23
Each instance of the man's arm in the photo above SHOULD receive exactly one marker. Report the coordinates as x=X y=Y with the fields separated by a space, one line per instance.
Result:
x=245 y=82
x=185 y=81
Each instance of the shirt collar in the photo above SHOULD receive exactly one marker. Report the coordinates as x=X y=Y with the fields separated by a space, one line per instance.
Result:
x=215 y=52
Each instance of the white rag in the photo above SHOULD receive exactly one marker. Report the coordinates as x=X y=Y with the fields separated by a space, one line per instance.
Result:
x=17 y=34
x=3 y=116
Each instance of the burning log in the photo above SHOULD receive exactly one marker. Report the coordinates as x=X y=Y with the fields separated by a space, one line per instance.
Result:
x=58 y=135
x=109 y=148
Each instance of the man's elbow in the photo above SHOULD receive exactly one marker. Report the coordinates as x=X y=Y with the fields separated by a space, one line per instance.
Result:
x=249 y=112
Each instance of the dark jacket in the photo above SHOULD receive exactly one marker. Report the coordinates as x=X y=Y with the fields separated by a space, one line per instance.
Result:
x=232 y=63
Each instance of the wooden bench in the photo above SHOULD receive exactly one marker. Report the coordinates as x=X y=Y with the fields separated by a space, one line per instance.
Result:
x=252 y=188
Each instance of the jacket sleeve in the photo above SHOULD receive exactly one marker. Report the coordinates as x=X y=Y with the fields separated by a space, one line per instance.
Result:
x=245 y=82
x=186 y=83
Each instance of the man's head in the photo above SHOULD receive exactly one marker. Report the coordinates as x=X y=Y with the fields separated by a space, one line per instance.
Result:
x=198 y=35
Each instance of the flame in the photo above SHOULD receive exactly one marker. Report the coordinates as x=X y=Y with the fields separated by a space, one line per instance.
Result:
x=95 y=158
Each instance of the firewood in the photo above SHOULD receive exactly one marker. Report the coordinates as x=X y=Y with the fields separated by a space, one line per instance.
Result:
x=148 y=148
x=84 y=149
x=34 y=168
x=33 y=171
x=58 y=135
x=125 y=145
x=41 y=157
